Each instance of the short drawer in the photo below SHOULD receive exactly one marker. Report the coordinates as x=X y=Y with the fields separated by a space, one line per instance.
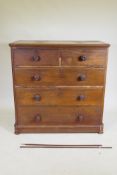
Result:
x=59 y=115
x=59 y=77
x=35 y=57
x=84 y=57
x=59 y=96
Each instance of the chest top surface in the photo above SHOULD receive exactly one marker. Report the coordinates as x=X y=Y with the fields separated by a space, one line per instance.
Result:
x=31 y=43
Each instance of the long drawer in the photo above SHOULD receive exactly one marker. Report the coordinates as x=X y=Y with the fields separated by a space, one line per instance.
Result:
x=59 y=96
x=59 y=77
x=59 y=115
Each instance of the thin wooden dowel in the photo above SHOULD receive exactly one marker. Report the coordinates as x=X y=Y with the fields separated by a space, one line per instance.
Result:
x=63 y=146
x=30 y=144
x=59 y=146
x=66 y=147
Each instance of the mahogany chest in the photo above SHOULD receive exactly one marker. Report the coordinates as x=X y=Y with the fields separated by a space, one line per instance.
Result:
x=59 y=86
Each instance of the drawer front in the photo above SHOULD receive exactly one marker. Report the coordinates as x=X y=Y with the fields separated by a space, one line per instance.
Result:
x=59 y=115
x=84 y=56
x=59 y=77
x=36 y=57
x=59 y=96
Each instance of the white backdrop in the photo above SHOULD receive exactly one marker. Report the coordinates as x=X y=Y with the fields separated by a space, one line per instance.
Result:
x=57 y=20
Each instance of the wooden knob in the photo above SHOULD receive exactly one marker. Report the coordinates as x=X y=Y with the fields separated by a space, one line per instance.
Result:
x=82 y=58
x=37 y=118
x=81 y=97
x=81 y=77
x=36 y=78
x=79 y=118
x=36 y=58
x=37 y=97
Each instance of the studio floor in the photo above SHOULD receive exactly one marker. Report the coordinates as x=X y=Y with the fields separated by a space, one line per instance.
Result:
x=14 y=160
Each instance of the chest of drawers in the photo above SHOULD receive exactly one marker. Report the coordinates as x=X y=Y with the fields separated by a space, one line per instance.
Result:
x=59 y=86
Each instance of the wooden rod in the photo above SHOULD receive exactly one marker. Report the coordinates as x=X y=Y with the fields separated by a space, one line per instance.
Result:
x=63 y=146
x=30 y=144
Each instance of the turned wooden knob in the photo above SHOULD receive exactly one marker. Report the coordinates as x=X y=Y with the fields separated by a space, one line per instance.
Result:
x=80 y=97
x=37 y=118
x=36 y=78
x=36 y=58
x=79 y=118
x=82 y=58
x=37 y=97
x=81 y=77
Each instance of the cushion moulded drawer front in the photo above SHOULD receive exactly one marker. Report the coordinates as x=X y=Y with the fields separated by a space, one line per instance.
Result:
x=59 y=96
x=59 y=77
x=84 y=57
x=36 y=57
x=59 y=115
